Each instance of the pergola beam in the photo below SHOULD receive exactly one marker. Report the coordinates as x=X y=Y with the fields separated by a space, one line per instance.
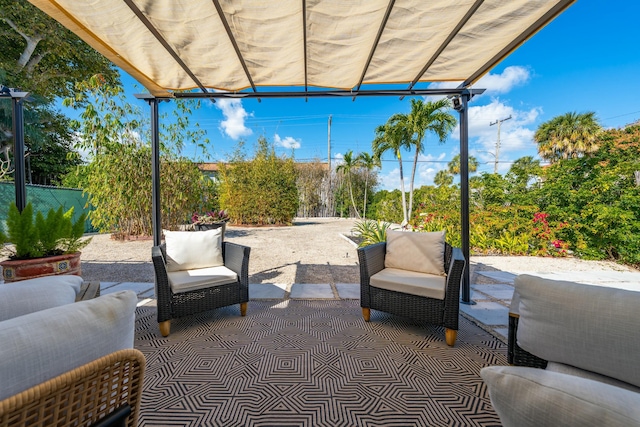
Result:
x=163 y=42
x=232 y=38
x=331 y=93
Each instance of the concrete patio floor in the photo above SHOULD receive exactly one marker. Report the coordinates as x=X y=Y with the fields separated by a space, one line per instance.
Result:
x=491 y=292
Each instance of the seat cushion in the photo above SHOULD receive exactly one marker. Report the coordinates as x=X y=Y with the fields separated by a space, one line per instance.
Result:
x=188 y=250
x=28 y=296
x=410 y=282
x=191 y=280
x=530 y=397
x=414 y=251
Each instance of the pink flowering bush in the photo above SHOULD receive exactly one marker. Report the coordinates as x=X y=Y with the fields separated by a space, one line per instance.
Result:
x=211 y=217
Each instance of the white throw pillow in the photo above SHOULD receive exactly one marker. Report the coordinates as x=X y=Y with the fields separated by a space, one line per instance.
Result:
x=188 y=250
x=421 y=252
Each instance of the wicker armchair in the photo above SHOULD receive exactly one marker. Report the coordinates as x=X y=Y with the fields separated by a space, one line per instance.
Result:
x=174 y=305
x=442 y=312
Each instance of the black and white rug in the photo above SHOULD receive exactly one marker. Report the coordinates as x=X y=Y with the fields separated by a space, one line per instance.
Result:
x=312 y=363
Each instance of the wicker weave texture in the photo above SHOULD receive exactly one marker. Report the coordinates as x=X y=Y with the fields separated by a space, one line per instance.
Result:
x=421 y=309
x=516 y=355
x=81 y=396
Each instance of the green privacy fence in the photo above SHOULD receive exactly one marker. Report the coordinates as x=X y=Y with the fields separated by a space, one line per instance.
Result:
x=43 y=198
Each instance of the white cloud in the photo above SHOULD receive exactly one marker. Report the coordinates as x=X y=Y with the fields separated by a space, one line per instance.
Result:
x=502 y=83
x=494 y=84
x=235 y=115
x=515 y=134
x=287 y=141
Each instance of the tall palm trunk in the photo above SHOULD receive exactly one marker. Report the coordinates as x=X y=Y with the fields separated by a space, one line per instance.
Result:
x=366 y=185
x=413 y=175
x=353 y=202
x=405 y=221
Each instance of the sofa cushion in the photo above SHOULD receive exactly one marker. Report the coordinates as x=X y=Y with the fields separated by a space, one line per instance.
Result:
x=590 y=327
x=191 y=280
x=42 y=345
x=28 y=296
x=421 y=252
x=533 y=397
x=410 y=282
x=193 y=249
x=572 y=370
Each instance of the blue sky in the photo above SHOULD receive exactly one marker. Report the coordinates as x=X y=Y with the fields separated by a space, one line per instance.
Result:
x=587 y=59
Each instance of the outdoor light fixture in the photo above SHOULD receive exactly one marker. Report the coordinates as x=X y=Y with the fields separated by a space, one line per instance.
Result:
x=457 y=103
x=4 y=90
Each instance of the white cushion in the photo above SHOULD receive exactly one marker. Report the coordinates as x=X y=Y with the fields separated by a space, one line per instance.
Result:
x=42 y=345
x=193 y=249
x=28 y=296
x=589 y=327
x=421 y=252
x=410 y=282
x=191 y=280
x=561 y=368
x=529 y=397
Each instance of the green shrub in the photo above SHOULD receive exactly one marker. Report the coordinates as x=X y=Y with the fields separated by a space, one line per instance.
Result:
x=371 y=232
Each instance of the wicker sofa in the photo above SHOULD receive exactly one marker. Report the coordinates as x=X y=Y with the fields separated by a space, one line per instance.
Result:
x=64 y=362
x=576 y=349
x=413 y=275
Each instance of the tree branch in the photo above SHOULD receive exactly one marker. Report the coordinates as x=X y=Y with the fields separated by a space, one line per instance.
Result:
x=32 y=43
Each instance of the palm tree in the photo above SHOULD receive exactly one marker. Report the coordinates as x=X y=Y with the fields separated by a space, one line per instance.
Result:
x=392 y=136
x=442 y=178
x=454 y=165
x=430 y=116
x=368 y=162
x=569 y=135
x=348 y=164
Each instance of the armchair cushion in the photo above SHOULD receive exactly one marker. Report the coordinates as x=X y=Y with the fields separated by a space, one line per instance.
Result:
x=28 y=296
x=410 y=282
x=187 y=250
x=421 y=252
x=191 y=280
x=534 y=397
x=42 y=345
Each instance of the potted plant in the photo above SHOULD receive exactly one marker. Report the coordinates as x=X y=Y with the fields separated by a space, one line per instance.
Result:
x=209 y=220
x=42 y=246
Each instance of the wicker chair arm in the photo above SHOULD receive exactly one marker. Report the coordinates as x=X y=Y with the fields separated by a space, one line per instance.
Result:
x=236 y=258
x=163 y=290
x=82 y=396
x=371 y=259
x=452 y=289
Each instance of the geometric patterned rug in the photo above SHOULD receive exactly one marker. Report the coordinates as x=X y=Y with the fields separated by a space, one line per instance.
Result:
x=312 y=363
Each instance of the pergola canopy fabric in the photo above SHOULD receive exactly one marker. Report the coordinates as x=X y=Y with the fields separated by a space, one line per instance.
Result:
x=177 y=45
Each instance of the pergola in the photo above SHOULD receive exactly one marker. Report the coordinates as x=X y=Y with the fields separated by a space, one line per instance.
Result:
x=303 y=48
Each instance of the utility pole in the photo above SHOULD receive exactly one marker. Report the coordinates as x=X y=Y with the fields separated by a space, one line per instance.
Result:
x=495 y=162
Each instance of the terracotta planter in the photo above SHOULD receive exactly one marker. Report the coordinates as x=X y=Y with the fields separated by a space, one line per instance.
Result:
x=16 y=270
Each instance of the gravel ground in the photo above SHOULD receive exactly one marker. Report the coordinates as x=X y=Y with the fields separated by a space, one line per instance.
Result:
x=313 y=250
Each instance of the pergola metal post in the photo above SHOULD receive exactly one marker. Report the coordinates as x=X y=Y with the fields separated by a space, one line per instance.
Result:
x=461 y=107
x=155 y=173
x=20 y=180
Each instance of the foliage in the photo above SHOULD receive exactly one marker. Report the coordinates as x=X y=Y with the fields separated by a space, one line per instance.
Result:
x=261 y=190
x=55 y=234
x=313 y=183
x=118 y=178
x=210 y=217
x=568 y=136
x=371 y=232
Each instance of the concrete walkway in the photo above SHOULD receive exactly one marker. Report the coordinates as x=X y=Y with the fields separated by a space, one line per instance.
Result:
x=492 y=299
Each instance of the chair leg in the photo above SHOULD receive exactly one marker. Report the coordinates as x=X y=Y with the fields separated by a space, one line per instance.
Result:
x=450 y=336
x=366 y=313
x=243 y=309
x=165 y=328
